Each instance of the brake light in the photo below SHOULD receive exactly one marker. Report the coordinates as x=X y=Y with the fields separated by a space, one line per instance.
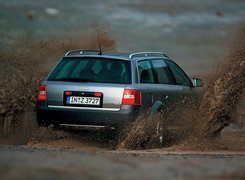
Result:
x=42 y=93
x=97 y=94
x=68 y=93
x=131 y=97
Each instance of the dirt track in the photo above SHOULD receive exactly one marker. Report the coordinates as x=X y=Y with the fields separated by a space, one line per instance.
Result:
x=65 y=155
x=59 y=163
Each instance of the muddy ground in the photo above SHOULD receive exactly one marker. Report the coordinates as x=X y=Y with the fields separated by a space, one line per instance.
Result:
x=48 y=163
x=205 y=38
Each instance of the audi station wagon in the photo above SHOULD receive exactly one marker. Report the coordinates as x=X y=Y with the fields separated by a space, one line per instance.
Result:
x=88 y=89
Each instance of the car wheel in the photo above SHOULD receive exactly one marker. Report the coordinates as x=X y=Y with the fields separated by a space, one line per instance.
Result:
x=156 y=115
x=42 y=121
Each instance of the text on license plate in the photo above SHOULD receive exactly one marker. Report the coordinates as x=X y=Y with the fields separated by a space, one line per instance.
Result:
x=83 y=100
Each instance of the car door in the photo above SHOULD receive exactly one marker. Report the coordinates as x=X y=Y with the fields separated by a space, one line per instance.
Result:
x=150 y=73
x=165 y=90
x=146 y=83
x=182 y=83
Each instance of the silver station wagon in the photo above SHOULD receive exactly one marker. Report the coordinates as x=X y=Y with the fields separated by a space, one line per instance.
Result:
x=88 y=89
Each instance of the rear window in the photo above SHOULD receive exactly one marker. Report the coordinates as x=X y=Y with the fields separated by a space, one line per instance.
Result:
x=154 y=71
x=98 y=70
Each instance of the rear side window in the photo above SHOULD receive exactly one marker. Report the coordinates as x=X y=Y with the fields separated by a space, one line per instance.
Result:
x=145 y=72
x=98 y=70
x=161 y=72
x=154 y=71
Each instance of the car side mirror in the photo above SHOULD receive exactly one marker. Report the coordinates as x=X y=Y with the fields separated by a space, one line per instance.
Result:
x=197 y=82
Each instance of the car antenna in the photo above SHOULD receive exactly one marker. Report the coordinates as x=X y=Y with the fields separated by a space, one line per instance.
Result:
x=100 y=53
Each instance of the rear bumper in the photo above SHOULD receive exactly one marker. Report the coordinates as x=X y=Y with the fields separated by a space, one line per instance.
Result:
x=81 y=116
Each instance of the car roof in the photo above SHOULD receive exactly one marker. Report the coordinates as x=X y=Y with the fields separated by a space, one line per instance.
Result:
x=115 y=55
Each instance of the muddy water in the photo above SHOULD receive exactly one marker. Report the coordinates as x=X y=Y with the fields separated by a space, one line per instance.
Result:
x=223 y=91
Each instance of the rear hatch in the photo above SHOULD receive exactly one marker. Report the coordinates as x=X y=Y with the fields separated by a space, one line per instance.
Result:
x=88 y=82
x=84 y=94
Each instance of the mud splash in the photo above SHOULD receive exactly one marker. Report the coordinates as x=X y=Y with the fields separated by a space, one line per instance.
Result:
x=142 y=134
x=197 y=124
x=24 y=65
x=223 y=93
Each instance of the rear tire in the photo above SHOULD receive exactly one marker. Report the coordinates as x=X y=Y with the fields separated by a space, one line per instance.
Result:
x=42 y=121
x=155 y=114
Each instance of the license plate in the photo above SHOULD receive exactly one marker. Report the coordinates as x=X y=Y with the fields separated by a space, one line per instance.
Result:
x=83 y=100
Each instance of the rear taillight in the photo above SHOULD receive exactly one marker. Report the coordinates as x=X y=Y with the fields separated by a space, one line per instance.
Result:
x=68 y=93
x=42 y=93
x=131 y=97
x=97 y=94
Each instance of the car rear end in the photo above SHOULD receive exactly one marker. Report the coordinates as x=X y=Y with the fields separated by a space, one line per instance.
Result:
x=90 y=92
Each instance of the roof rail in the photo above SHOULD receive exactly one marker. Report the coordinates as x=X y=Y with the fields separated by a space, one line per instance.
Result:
x=81 y=51
x=146 y=54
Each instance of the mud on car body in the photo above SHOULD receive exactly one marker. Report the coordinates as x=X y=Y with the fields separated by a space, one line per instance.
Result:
x=88 y=89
